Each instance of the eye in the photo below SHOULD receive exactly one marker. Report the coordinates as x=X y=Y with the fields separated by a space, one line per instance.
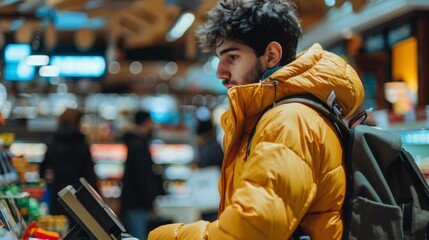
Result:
x=233 y=56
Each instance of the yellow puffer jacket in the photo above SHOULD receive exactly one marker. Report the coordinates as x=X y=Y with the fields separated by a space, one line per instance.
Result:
x=294 y=173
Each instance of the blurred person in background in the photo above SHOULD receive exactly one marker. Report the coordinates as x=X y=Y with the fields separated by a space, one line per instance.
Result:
x=210 y=152
x=67 y=159
x=140 y=184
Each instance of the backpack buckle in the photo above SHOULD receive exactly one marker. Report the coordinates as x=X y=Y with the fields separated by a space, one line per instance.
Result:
x=333 y=104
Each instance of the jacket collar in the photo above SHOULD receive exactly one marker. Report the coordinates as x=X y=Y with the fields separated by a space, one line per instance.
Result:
x=314 y=71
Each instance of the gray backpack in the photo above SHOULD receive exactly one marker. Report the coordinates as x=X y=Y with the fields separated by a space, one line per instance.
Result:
x=387 y=196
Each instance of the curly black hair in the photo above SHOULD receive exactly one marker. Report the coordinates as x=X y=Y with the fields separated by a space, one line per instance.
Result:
x=254 y=23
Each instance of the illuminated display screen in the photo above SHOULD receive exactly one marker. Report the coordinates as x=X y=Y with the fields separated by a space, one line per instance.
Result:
x=19 y=71
x=16 y=68
x=16 y=52
x=79 y=66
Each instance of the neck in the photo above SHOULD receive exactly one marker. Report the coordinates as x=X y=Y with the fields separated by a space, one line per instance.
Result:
x=269 y=72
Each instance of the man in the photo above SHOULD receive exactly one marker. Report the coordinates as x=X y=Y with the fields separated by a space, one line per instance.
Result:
x=294 y=173
x=140 y=184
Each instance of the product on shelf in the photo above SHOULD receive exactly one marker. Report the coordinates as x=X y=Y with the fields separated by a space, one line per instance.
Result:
x=54 y=223
x=34 y=231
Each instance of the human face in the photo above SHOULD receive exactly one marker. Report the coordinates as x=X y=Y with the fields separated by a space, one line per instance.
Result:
x=238 y=64
x=147 y=126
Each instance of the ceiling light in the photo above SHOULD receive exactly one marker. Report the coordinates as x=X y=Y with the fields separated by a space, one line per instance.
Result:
x=37 y=60
x=180 y=26
x=136 y=67
x=330 y=3
x=171 y=68
x=49 y=71
x=16 y=52
x=114 y=67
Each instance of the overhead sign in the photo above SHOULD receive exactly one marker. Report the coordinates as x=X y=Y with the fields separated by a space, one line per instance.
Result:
x=79 y=66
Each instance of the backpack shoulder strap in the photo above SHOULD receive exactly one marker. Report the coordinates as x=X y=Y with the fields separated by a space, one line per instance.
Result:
x=317 y=104
x=322 y=108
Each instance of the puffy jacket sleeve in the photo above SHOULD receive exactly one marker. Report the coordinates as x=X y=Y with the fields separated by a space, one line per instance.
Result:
x=194 y=231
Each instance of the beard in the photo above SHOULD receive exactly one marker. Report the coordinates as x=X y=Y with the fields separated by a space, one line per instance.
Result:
x=254 y=75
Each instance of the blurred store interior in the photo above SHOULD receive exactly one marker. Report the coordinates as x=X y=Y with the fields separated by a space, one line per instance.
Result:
x=112 y=57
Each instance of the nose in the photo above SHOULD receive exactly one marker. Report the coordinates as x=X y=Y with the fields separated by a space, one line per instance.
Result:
x=222 y=72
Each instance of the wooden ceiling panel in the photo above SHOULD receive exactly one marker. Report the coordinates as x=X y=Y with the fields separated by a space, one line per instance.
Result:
x=358 y=4
x=310 y=12
x=149 y=26
x=134 y=25
x=142 y=23
x=75 y=5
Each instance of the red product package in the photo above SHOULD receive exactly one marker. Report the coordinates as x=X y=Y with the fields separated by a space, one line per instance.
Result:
x=34 y=231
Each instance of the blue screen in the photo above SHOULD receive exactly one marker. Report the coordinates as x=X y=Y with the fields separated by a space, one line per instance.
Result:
x=79 y=66
x=16 y=68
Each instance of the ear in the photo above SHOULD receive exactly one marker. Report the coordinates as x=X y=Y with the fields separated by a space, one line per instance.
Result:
x=273 y=54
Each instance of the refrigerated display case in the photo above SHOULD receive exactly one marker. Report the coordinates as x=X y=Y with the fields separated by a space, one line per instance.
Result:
x=174 y=159
x=109 y=160
x=109 y=165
